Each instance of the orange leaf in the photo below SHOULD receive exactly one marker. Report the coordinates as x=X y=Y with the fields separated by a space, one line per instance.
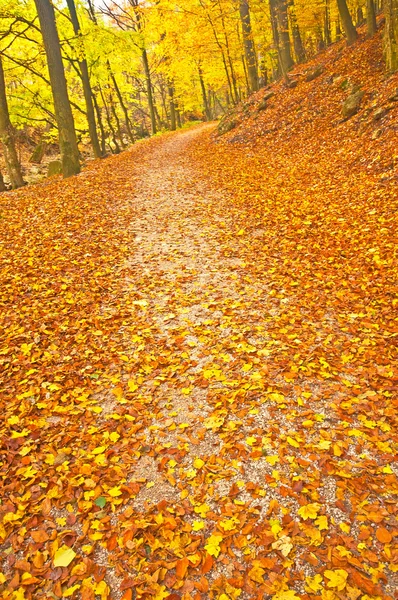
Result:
x=39 y=536
x=383 y=535
x=181 y=567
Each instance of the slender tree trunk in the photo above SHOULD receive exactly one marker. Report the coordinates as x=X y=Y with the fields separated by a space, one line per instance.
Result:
x=283 y=25
x=2 y=184
x=148 y=82
x=117 y=121
x=204 y=95
x=371 y=18
x=248 y=44
x=88 y=96
x=275 y=33
x=231 y=65
x=391 y=35
x=109 y=121
x=173 y=121
x=346 y=20
x=327 y=33
x=7 y=137
x=122 y=104
x=298 y=46
x=100 y=125
x=63 y=112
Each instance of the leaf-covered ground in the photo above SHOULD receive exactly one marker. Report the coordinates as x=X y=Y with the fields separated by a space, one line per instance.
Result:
x=199 y=361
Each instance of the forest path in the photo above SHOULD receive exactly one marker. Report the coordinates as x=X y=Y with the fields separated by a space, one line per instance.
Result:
x=197 y=378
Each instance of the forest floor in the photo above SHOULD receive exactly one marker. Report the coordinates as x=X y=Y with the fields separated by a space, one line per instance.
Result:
x=198 y=376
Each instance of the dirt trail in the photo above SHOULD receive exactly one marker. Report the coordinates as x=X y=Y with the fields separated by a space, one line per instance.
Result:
x=167 y=416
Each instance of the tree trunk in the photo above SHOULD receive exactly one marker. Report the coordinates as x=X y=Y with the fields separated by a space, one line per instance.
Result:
x=63 y=112
x=280 y=30
x=275 y=34
x=7 y=137
x=371 y=18
x=326 y=25
x=109 y=121
x=346 y=21
x=149 y=91
x=2 y=184
x=88 y=95
x=248 y=44
x=122 y=104
x=391 y=35
x=100 y=125
x=173 y=121
x=298 y=46
x=204 y=95
x=283 y=24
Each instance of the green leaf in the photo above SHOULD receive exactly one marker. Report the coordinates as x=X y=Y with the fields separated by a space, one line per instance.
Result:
x=101 y=501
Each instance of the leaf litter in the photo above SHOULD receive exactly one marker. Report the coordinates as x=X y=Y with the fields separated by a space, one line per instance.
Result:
x=199 y=368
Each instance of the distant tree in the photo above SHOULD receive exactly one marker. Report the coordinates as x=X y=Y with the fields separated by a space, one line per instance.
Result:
x=391 y=35
x=371 y=18
x=7 y=138
x=63 y=112
x=346 y=21
x=88 y=94
x=248 y=44
x=280 y=30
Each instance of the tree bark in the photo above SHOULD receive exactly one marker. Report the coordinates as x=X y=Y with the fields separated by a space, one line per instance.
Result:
x=391 y=35
x=100 y=125
x=173 y=121
x=122 y=104
x=2 y=184
x=204 y=96
x=88 y=95
x=298 y=46
x=371 y=18
x=280 y=30
x=326 y=25
x=148 y=82
x=248 y=44
x=283 y=24
x=346 y=21
x=7 y=137
x=63 y=112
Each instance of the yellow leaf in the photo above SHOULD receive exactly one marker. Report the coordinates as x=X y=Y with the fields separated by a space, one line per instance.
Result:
x=99 y=450
x=114 y=436
x=337 y=579
x=150 y=484
x=256 y=574
x=63 y=556
x=286 y=595
x=313 y=584
x=13 y=420
x=309 y=511
x=213 y=545
x=272 y=460
x=292 y=442
x=198 y=463
x=322 y=522
x=202 y=510
x=132 y=385
x=68 y=592
x=197 y=525
x=114 y=492
x=250 y=441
